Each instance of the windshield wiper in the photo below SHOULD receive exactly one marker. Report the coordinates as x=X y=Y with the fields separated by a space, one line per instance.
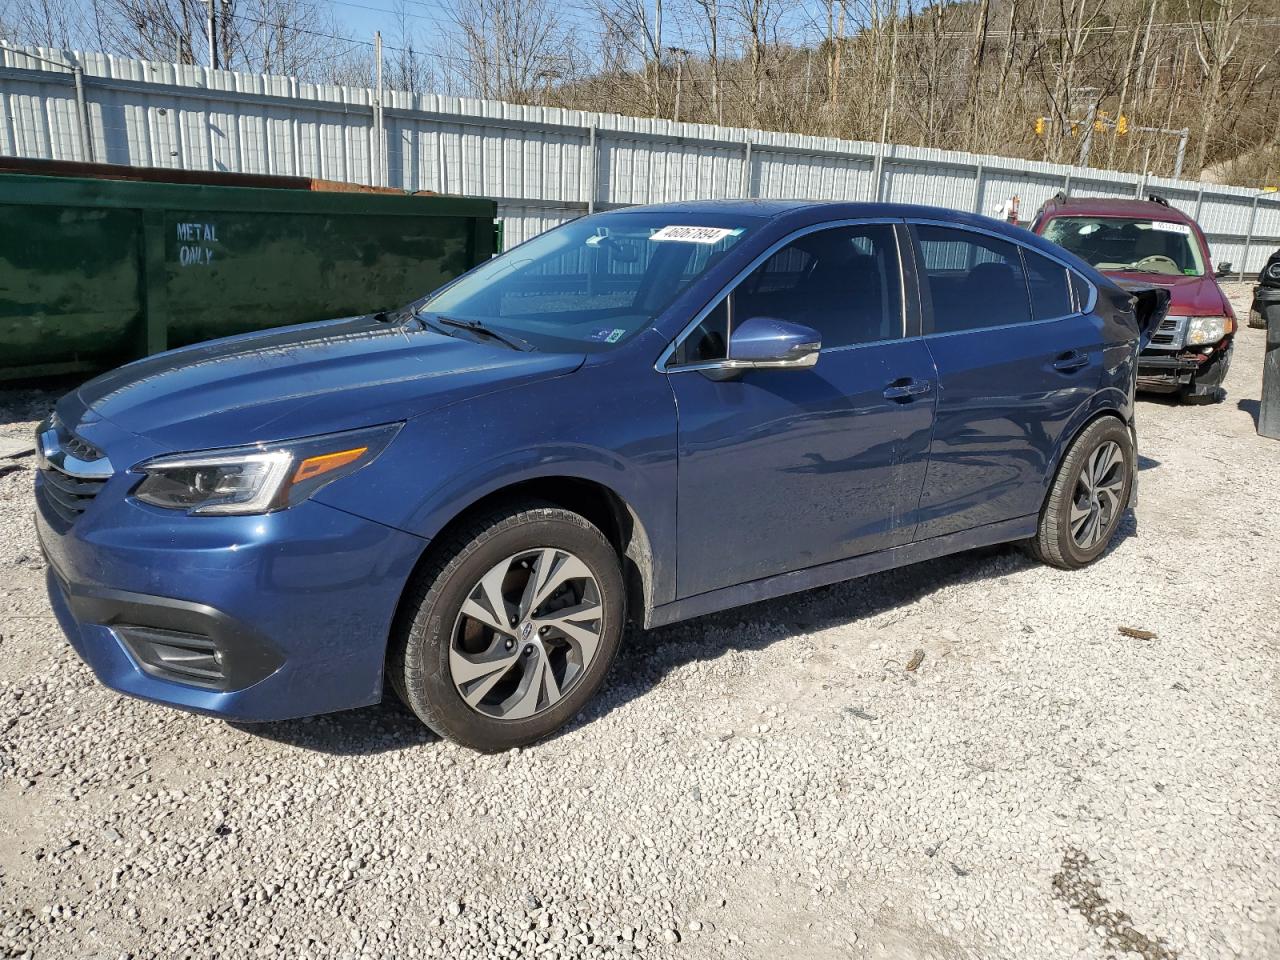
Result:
x=476 y=326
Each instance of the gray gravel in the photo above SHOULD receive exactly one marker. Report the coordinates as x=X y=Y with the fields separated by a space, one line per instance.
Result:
x=770 y=782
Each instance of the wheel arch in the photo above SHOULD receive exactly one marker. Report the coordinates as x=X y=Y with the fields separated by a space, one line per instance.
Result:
x=1107 y=403
x=591 y=499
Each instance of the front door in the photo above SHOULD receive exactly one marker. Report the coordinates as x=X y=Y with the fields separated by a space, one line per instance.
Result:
x=785 y=469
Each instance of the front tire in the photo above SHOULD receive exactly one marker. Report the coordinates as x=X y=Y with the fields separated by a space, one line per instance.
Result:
x=1090 y=493
x=510 y=627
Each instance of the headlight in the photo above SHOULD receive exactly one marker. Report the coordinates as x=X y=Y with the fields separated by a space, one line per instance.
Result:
x=1202 y=330
x=1273 y=271
x=260 y=478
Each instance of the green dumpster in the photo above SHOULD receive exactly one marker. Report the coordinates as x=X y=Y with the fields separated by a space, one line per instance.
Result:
x=95 y=272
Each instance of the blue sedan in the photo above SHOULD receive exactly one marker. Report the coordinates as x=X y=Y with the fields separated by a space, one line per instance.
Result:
x=648 y=414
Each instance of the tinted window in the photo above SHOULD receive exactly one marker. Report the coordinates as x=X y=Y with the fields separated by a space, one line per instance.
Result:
x=843 y=282
x=974 y=280
x=1050 y=291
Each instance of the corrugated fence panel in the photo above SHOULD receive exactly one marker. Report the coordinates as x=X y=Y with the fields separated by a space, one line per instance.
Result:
x=538 y=162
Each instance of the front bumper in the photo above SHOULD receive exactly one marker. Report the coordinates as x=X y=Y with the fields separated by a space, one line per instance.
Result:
x=1164 y=370
x=246 y=618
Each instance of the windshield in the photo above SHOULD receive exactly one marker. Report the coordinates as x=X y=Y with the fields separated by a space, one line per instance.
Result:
x=1139 y=246
x=593 y=283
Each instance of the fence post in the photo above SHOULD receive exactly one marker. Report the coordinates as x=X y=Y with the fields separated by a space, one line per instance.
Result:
x=377 y=165
x=977 y=190
x=877 y=180
x=745 y=187
x=1182 y=153
x=1066 y=182
x=594 y=166
x=82 y=116
x=1199 y=201
x=1248 y=238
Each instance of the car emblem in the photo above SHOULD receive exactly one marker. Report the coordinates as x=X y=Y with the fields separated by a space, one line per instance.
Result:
x=526 y=630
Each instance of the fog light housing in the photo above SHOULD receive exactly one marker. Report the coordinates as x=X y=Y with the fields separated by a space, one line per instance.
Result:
x=173 y=655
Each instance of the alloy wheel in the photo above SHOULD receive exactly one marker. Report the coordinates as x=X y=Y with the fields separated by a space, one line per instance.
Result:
x=526 y=634
x=1096 y=503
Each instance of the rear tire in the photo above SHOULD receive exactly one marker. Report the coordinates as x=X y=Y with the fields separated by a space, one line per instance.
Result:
x=1089 y=495
x=493 y=679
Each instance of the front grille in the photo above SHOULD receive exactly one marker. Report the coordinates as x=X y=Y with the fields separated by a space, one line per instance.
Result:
x=68 y=496
x=81 y=448
x=1170 y=334
x=73 y=470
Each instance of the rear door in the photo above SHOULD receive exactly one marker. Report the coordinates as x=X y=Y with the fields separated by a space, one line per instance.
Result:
x=1015 y=359
x=785 y=469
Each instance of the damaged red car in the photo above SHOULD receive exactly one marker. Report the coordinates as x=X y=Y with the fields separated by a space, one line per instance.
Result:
x=1150 y=242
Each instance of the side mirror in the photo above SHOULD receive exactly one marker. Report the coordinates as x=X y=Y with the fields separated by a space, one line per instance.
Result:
x=1224 y=269
x=766 y=342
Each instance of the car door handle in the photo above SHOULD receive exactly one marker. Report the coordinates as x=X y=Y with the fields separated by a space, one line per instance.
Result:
x=1070 y=361
x=906 y=389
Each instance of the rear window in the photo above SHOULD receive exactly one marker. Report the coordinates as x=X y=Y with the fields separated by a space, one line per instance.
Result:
x=1130 y=245
x=974 y=280
x=1050 y=287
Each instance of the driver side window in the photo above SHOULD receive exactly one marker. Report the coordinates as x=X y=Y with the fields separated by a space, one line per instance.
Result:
x=844 y=282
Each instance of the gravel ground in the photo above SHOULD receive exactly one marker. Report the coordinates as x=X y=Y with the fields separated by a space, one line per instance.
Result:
x=770 y=782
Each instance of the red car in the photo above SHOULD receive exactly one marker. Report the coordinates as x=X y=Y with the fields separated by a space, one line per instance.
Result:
x=1151 y=242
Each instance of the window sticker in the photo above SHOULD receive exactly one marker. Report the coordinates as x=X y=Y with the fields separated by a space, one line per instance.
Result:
x=608 y=336
x=1165 y=227
x=694 y=234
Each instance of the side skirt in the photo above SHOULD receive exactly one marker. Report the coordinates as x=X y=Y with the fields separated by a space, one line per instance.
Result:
x=782 y=584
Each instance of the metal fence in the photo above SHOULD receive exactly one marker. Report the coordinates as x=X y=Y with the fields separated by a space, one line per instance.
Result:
x=543 y=165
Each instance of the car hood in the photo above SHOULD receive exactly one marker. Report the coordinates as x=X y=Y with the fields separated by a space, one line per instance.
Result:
x=302 y=380
x=1188 y=296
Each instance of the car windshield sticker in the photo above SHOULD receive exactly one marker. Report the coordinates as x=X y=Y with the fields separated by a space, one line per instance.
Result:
x=1165 y=227
x=608 y=336
x=694 y=234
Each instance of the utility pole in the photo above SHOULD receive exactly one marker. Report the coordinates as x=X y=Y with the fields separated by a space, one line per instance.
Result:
x=681 y=55
x=1087 y=141
x=213 y=36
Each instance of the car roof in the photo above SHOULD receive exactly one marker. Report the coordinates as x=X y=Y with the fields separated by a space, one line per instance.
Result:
x=742 y=207
x=786 y=215
x=1111 y=207
x=818 y=211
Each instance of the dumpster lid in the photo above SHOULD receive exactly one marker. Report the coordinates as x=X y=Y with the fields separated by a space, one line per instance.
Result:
x=212 y=178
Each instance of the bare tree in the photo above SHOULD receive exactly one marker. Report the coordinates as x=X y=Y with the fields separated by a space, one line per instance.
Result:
x=1218 y=30
x=957 y=74
x=506 y=47
x=635 y=36
x=408 y=66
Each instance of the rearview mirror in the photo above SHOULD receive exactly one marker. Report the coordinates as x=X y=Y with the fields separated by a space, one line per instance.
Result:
x=771 y=343
x=1224 y=269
